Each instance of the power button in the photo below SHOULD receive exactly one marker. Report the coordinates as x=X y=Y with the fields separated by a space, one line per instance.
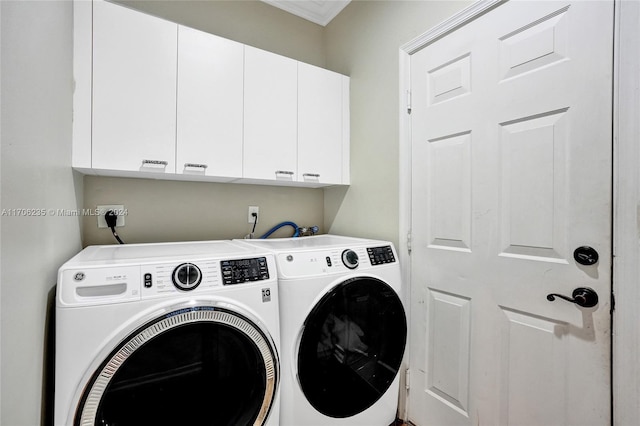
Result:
x=148 y=281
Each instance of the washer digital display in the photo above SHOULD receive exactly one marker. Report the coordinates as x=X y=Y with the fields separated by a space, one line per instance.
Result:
x=237 y=271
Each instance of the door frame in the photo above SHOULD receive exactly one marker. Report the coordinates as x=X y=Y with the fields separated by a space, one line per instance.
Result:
x=625 y=359
x=626 y=199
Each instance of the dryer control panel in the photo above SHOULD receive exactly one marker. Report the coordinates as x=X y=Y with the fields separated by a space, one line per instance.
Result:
x=334 y=260
x=381 y=255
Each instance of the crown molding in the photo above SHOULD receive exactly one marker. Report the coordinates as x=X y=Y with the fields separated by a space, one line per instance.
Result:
x=320 y=12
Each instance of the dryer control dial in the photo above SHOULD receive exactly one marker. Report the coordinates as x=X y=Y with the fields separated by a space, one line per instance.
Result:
x=186 y=276
x=350 y=259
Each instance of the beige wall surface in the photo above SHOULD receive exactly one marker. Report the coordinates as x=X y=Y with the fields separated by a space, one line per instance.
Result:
x=251 y=22
x=36 y=93
x=159 y=210
x=363 y=41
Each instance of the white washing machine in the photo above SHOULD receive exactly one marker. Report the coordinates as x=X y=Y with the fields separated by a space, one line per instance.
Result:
x=343 y=330
x=168 y=334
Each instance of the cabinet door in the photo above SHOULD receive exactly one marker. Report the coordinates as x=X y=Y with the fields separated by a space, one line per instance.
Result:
x=320 y=125
x=270 y=116
x=134 y=90
x=210 y=80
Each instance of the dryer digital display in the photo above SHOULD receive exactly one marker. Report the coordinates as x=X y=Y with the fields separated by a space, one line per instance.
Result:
x=381 y=255
x=239 y=271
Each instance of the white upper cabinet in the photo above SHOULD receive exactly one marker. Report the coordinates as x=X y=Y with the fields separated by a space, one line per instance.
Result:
x=157 y=99
x=270 y=116
x=322 y=116
x=210 y=105
x=134 y=90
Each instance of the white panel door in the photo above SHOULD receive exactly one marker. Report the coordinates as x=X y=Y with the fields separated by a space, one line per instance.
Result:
x=320 y=112
x=134 y=90
x=210 y=105
x=511 y=172
x=270 y=116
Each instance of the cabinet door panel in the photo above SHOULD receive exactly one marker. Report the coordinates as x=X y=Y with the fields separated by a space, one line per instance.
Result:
x=210 y=105
x=134 y=90
x=270 y=116
x=320 y=112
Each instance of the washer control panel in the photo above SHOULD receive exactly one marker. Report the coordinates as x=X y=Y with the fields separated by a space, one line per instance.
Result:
x=101 y=275
x=239 y=271
x=186 y=276
x=381 y=255
x=182 y=276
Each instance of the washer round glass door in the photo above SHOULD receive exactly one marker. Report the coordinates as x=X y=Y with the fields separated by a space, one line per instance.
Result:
x=351 y=347
x=195 y=366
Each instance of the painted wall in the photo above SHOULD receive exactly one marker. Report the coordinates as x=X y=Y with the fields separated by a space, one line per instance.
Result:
x=36 y=92
x=250 y=22
x=363 y=42
x=180 y=211
x=161 y=210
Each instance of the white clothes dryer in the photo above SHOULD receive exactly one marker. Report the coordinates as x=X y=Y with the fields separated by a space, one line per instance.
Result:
x=343 y=330
x=167 y=334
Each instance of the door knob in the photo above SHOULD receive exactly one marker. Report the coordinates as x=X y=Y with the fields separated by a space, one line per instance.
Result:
x=586 y=255
x=582 y=296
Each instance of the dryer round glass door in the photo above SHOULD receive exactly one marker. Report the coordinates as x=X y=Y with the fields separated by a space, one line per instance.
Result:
x=192 y=366
x=351 y=347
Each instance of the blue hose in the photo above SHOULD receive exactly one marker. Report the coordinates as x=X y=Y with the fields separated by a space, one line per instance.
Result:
x=280 y=225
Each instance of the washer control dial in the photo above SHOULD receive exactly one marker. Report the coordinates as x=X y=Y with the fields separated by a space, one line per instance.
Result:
x=350 y=259
x=187 y=276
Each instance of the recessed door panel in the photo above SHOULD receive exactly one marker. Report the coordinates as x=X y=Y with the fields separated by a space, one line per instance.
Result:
x=448 y=187
x=535 y=45
x=449 y=344
x=450 y=80
x=534 y=186
x=533 y=364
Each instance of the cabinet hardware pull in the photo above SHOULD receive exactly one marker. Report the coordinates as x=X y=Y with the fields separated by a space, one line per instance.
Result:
x=284 y=172
x=311 y=175
x=196 y=165
x=156 y=162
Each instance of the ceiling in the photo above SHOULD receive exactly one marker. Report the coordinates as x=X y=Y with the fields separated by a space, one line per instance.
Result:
x=319 y=11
